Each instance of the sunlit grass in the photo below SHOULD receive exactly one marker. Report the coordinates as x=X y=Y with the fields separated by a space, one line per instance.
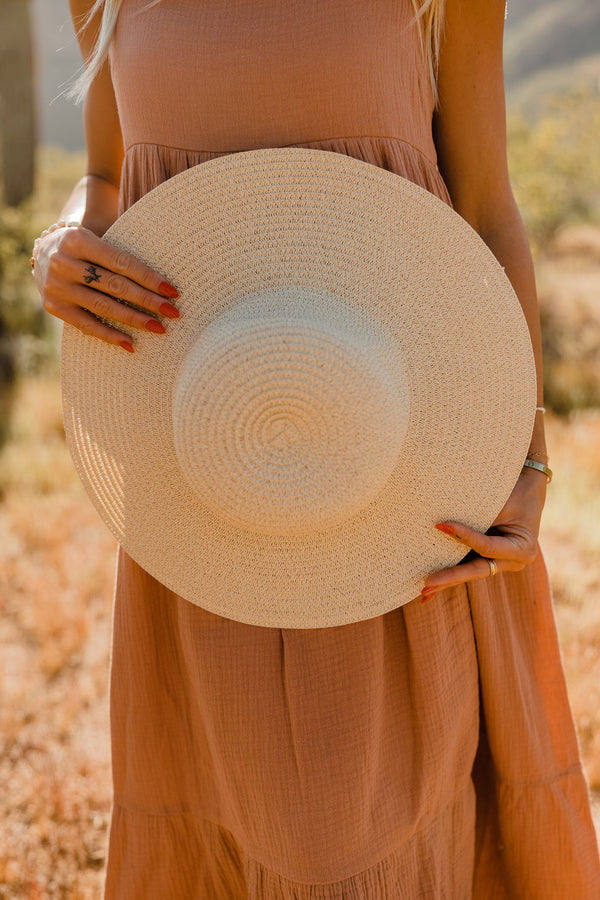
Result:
x=56 y=570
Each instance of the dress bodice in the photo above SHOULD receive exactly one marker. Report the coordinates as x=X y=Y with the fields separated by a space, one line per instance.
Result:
x=242 y=74
x=196 y=79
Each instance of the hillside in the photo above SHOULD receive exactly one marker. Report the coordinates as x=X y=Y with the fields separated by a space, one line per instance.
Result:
x=550 y=46
x=546 y=35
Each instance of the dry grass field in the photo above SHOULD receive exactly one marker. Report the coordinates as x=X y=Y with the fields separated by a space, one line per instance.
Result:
x=55 y=574
x=56 y=570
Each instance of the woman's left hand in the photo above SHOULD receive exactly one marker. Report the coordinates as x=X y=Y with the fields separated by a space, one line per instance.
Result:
x=511 y=541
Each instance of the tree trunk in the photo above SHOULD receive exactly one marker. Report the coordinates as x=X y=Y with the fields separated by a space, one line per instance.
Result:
x=17 y=104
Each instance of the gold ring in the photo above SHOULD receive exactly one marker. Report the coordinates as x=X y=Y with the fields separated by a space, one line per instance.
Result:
x=493 y=566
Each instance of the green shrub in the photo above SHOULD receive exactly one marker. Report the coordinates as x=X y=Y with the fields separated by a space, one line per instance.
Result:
x=554 y=164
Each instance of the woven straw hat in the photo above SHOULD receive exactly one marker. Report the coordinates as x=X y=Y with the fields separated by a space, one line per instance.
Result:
x=351 y=366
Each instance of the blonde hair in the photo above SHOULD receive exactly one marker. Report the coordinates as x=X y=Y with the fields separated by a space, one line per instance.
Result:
x=430 y=11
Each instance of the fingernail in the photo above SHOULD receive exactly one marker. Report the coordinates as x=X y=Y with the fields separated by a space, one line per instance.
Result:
x=167 y=309
x=156 y=327
x=447 y=529
x=427 y=595
x=167 y=290
x=126 y=346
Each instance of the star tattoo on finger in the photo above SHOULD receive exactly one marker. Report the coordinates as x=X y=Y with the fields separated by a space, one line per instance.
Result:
x=93 y=275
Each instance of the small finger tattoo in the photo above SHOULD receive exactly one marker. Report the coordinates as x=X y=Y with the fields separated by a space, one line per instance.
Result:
x=93 y=275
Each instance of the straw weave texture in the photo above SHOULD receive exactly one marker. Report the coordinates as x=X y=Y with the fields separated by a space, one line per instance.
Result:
x=351 y=365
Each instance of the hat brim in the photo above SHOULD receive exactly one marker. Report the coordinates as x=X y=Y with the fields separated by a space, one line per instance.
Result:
x=264 y=219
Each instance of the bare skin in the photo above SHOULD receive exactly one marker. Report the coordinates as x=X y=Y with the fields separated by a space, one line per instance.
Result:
x=79 y=275
x=470 y=137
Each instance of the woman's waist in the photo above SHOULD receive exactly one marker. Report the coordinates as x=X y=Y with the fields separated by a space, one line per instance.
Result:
x=209 y=145
x=147 y=164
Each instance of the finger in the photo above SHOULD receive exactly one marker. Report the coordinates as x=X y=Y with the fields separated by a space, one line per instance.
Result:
x=103 y=281
x=83 y=244
x=89 y=324
x=106 y=307
x=101 y=305
x=473 y=570
x=511 y=546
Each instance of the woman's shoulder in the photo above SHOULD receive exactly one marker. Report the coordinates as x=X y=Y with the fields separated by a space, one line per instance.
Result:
x=86 y=16
x=81 y=8
x=87 y=19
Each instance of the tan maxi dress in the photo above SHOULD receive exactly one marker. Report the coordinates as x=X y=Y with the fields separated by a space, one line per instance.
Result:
x=429 y=752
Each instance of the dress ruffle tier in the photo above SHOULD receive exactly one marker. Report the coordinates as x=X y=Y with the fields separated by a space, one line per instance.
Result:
x=147 y=165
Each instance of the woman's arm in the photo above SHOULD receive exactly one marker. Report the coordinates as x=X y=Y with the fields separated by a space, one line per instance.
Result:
x=67 y=256
x=470 y=137
x=95 y=199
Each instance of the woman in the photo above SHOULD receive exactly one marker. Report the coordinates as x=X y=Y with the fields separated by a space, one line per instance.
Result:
x=427 y=752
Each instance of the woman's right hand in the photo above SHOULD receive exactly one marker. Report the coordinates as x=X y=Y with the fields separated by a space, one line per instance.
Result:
x=80 y=276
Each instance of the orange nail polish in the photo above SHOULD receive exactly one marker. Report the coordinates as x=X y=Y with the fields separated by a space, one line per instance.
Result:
x=447 y=529
x=167 y=290
x=170 y=311
x=126 y=346
x=156 y=327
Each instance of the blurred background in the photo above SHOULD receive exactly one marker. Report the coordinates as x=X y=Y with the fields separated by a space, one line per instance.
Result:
x=57 y=558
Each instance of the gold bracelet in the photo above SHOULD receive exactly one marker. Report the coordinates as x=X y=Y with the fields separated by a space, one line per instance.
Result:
x=534 y=464
x=54 y=227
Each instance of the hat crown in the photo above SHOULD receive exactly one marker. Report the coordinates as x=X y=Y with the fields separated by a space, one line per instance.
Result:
x=290 y=411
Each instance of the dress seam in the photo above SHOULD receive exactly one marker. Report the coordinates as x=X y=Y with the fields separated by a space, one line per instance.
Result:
x=348 y=137
x=575 y=769
x=379 y=863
